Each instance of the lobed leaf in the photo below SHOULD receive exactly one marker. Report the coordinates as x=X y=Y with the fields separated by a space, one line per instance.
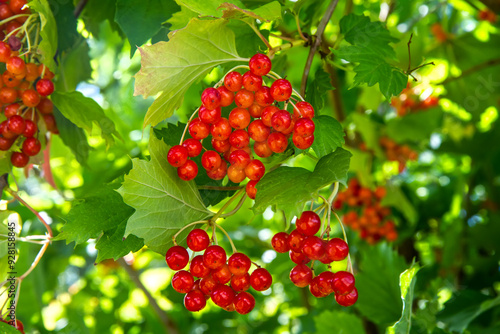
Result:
x=48 y=32
x=328 y=135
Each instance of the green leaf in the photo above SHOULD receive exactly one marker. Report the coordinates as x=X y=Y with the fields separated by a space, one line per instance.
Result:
x=407 y=283
x=378 y=284
x=89 y=216
x=142 y=19
x=84 y=112
x=171 y=134
x=73 y=137
x=328 y=135
x=397 y=199
x=369 y=131
x=415 y=126
x=361 y=163
x=97 y=11
x=8 y=329
x=463 y=308
x=112 y=245
x=338 y=322
x=208 y=7
x=164 y=203
x=316 y=90
x=48 y=32
x=181 y=18
x=74 y=68
x=172 y=67
x=277 y=187
x=267 y=13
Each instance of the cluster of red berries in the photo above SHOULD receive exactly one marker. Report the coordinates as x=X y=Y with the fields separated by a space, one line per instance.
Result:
x=11 y=9
x=371 y=218
x=408 y=101
x=487 y=15
x=19 y=325
x=24 y=90
x=256 y=118
x=224 y=280
x=303 y=246
x=396 y=152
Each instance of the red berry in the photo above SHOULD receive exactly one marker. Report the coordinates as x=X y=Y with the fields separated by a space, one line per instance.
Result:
x=260 y=64
x=244 y=302
x=177 y=155
x=303 y=142
x=309 y=223
x=267 y=115
x=11 y=109
x=31 y=146
x=226 y=96
x=255 y=170
x=16 y=124
x=281 y=90
x=182 y=281
x=192 y=146
x=45 y=106
x=8 y=95
x=349 y=299
x=298 y=257
x=315 y=289
x=188 y=171
x=44 y=87
x=325 y=282
x=296 y=241
x=239 y=139
x=209 y=116
x=239 y=159
x=250 y=189
x=214 y=256
x=258 y=131
x=251 y=81
x=236 y=175
x=195 y=301
x=280 y=242
x=30 y=98
x=210 y=160
x=304 y=127
x=281 y=120
x=305 y=109
x=244 y=98
x=239 y=263
x=301 y=275
x=222 y=274
x=262 y=149
x=198 y=130
x=261 y=279
x=207 y=285
x=343 y=282
x=233 y=81
x=198 y=240
x=222 y=295
x=5 y=143
x=240 y=282
x=221 y=129
x=30 y=129
x=210 y=98
x=263 y=96
x=255 y=110
x=277 y=142
x=239 y=118
x=219 y=173
x=337 y=249
x=221 y=146
x=5 y=50
x=198 y=268
x=313 y=247
x=19 y=159
x=177 y=257
x=16 y=65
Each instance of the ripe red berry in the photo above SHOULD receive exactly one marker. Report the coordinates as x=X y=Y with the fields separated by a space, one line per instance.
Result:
x=192 y=146
x=239 y=263
x=195 y=301
x=239 y=159
x=177 y=155
x=177 y=257
x=207 y=285
x=255 y=170
x=305 y=109
x=296 y=240
x=236 y=175
x=182 y=281
x=343 y=282
x=261 y=279
x=219 y=173
x=198 y=130
x=16 y=65
x=348 y=299
x=209 y=116
x=5 y=50
x=210 y=98
x=262 y=149
x=315 y=289
x=239 y=139
x=221 y=129
x=5 y=143
x=44 y=87
x=198 y=268
x=308 y=223
x=45 y=106
x=252 y=82
x=226 y=96
x=222 y=274
x=263 y=96
x=337 y=249
x=281 y=120
x=19 y=159
x=325 y=282
x=258 y=131
x=233 y=81
x=250 y=189
x=267 y=115
x=244 y=98
x=301 y=275
x=281 y=90
x=304 y=127
x=222 y=295
x=298 y=257
x=313 y=247
x=8 y=95
x=277 y=142
x=240 y=282
x=11 y=109
x=30 y=129
x=302 y=142
x=255 y=110
x=31 y=146
x=16 y=124
x=221 y=146
x=280 y=242
x=30 y=98
x=244 y=302
x=210 y=160
x=214 y=256
x=260 y=64
x=188 y=171
x=239 y=118
x=197 y=240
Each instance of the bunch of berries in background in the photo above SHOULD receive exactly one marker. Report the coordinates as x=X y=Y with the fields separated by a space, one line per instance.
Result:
x=25 y=87
x=212 y=275
x=364 y=212
x=396 y=152
x=409 y=102
x=254 y=122
x=304 y=246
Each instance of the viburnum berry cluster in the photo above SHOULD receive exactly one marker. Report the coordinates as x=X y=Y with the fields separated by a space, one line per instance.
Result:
x=25 y=87
x=365 y=213
x=254 y=121
x=396 y=152
x=212 y=275
x=304 y=246
x=408 y=101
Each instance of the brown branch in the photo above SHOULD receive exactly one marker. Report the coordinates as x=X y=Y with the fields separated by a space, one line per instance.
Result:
x=79 y=8
x=167 y=323
x=491 y=62
x=319 y=33
x=409 y=55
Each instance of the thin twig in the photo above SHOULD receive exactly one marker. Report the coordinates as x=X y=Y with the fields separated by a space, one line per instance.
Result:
x=79 y=8
x=297 y=21
x=319 y=32
x=409 y=54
